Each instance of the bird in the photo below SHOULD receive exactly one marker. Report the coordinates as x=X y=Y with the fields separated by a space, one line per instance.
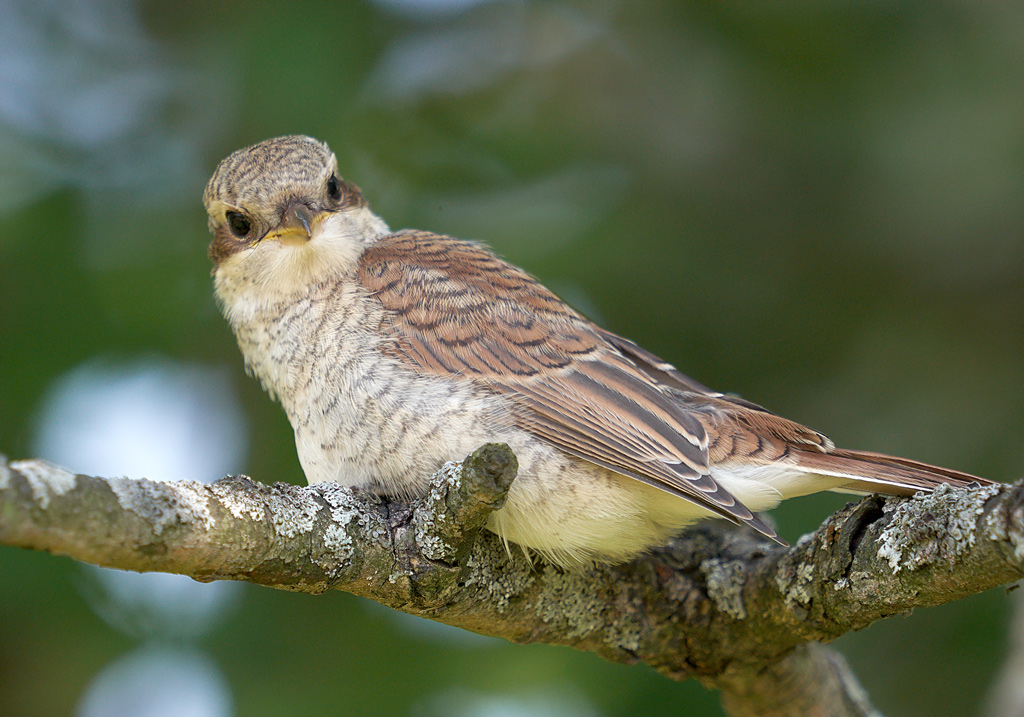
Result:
x=394 y=352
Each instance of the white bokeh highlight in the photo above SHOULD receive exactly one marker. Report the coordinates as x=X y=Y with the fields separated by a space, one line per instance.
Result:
x=560 y=702
x=163 y=420
x=158 y=682
x=145 y=418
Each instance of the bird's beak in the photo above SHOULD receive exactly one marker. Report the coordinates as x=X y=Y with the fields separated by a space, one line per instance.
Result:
x=296 y=225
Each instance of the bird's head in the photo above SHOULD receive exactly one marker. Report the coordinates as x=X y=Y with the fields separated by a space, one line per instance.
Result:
x=282 y=216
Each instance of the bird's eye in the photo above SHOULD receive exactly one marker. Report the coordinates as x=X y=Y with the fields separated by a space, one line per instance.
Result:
x=239 y=224
x=333 y=188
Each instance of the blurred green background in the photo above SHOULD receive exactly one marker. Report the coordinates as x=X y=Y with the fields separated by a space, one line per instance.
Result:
x=819 y=206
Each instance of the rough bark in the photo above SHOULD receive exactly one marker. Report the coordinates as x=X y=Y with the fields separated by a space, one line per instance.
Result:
x=718 y=604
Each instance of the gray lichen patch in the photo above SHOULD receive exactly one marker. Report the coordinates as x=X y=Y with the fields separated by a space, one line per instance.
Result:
x=447 y=478
x=1004 y=525
x=46 y=479
x=164 y=504
x=352 y=522
x=337 y=539
x=931 y=527
x=572 y=597
x=240 y=504
x=431 y=545
x=575 y=599
x=794 y=576
x=433 y=515
x=725 y=580
x=499 y=576
x=292 y=510
x=344 y=509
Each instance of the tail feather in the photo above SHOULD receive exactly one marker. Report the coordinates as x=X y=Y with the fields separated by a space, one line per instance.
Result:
x=878 y=473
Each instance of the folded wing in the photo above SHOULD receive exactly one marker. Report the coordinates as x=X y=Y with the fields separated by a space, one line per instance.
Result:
x=455 y=309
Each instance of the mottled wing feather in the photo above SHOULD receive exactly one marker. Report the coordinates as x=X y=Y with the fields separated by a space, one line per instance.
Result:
x=455 y=309
x=458 y=309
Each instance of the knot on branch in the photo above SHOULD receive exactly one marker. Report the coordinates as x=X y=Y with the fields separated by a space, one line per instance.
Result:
x=461 y=498
x=413 y=551
x=446 y=522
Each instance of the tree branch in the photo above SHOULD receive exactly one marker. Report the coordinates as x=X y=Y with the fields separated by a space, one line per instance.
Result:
x=718 y=604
